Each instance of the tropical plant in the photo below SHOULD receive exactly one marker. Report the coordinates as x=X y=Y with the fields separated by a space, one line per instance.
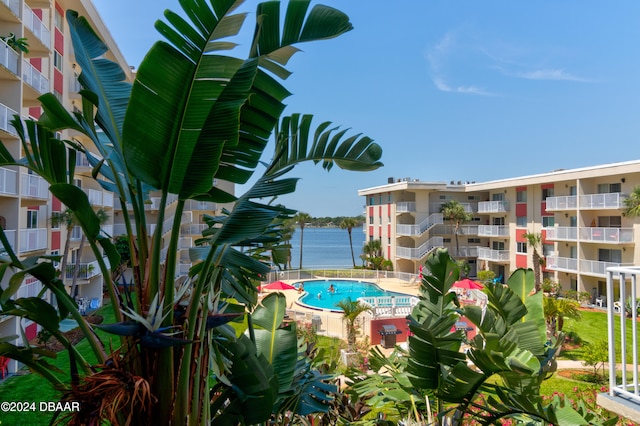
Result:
x=349 y=223
x=192 y=115
x=372 y=254
x=556 y=310
x=486 y=276
x=632 y=203
x=454 y=212
x=595 y=355
x=301 y=219
x=497 y=378
x=534 y=240
x=19 y=44
x=351 y=310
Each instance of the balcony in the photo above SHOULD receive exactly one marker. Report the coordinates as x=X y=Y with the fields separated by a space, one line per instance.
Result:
x=462 y=251
x=33 y=239
x=607 y=235
x=185 y=243
x=583 y=266
x=182 y=269
x=419 y=252
x=406 y=207
x=493 y=207
x=561 y=233
x=569 y=202
x=99 y=198
x=623 y=397
x=86 y=271
x=468 y=207
x=421 y=228
x=14 y=7
x=193 y=229
x=34 y=78
x=493 y=230
x=11 y=236
x=9 y=58
x=37 y=27
x=597 y=268
x=463 y=230
x=200 y=205
x=565 y=264
x=8 y=181
x=613 y=200
x=485 y=253
x=29 y=288
x=33 y=186
x=6 y=115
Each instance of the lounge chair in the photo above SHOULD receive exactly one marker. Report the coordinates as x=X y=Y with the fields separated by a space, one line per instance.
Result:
x=4 y=366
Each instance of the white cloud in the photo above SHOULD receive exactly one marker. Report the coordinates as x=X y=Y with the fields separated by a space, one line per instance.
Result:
x=466 y=90
x=550 y=74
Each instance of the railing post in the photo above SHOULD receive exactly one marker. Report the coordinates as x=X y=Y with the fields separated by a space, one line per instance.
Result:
x=610 y=335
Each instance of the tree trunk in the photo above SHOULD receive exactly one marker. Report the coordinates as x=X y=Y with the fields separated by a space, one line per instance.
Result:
x=76 y=269
x=351 y=245
x=536 y=270
x=301 y=234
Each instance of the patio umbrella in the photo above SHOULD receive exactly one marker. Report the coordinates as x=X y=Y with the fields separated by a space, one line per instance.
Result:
x=278 y=285
x=468 y=284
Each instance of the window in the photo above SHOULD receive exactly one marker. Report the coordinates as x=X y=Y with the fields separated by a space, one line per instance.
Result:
x=497 y=197
x=573 y=252
x=607 y=188
x=547 y=250
x=372 y=201
x=546 y=193
x=370 y=220
x=58 y=95
x=389 y=199
x=573 y=221
x=498 y=245
x=32 y=219
x=55 y=220
x=609 y=221
x=446 y=240
x=521 y=197
x=548 y=221
x=57 y=60
x=55 y=253
x=381 y=199
x=521 y=221
x=58 y=20
x=389 y=240
x=521 y=248
x=499 y=221
x=473 y=240
x=573 y=190
x=608 y=255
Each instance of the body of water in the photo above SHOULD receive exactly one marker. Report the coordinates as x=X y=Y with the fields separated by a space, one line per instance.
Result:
x=326 y=247
x=325 y=294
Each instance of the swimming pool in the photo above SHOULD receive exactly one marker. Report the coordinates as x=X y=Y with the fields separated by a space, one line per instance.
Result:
x=318 y=295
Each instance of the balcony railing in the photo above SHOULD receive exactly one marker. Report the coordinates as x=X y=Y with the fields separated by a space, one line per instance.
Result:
x=8 y=181
x=13 y=5
x=485 y=253
x=182 y=269
x=607 y=235
x=493 y=206
x=421 y=251
x=193 y=229
x=468 y=207
x=6 y=115
x=36 y=26
x=99 y=197
x=562 y=233
x=613 y=200
x=569 y=202
x=11 y=236
x=200 y=205
x=406 y=207
x=597 y=268
x=624 y=391
x=29 y=289
x=493 y=230
x=450 y=230
x=33 y=186
x=8 y=57
x=34 y=78
x=33 y=239
x=421 y=228
x=85 y=270
x=583 y=266
x=463 y=251
x=557 y=263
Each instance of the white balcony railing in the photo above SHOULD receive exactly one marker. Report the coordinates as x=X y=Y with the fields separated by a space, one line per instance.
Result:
x=85 y=270
x=607 y=235
x=420 y=251
x=468 y=207
x=193 y=229
x=76 y=233
x=493 y=206
x=613 y=200
x=185 y=243
x=557 y=263
x=9 y=58
x=29 y=289
x=420 y=228
x=406 y=207
x=33 y=186
x=33 y=239
x=462 y=251
x=200 y=205
x=583 y=266
x=464 y=230
x=182 y=269
x=13 y=5
x=34 y=78
x=569 y=202
x=624 y=384
x=36 y=26
x=8 y=181
x=597 y=268
x=11 y=236
x=562 y=233
x=81 y=161
x=493 y=230
x=6 y=115
x=485 y=253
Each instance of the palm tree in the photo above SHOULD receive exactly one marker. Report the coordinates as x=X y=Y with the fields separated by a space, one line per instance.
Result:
x=372 y=251
x=534 y=240
x=556 y=310
x=302 y=219
x=632 y=204
x=351 y=309
x=454 y=211
x=349 y=223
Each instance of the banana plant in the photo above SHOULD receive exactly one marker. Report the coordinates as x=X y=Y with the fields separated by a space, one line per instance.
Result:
x=194 y=114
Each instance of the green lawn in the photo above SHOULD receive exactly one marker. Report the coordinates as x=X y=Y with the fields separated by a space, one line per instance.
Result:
x=33 y=388
x=592 y=327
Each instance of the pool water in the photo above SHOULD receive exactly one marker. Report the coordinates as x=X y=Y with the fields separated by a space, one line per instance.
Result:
x=318 y=295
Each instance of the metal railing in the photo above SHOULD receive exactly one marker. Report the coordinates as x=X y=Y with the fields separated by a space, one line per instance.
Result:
x=336 y=272
x=13 y=5
x=567 y=202
x=612 y=200
x=493 y=206
x=464 y=230
x=11 y=236
x=6 y=115
x=200 y=205
x=485 y=253
x=8 y=181
x=462 y=251
x=468 y=207
x=558 y=263
x=493 y=230
x=85 y=270
x=9 y=58
x=607 y=235
x=582 y=266
x=34 y=78
x=390 y=305
x=623 y=387
x=406 y=207
x=420 y=251
x=420 y=228
x=193 y=229
x=35 y=24
x=562 y=233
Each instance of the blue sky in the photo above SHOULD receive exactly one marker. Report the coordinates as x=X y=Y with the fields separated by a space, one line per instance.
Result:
x=454 y=90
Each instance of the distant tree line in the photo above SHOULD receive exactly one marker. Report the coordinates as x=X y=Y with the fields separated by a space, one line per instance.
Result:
x=324 y=222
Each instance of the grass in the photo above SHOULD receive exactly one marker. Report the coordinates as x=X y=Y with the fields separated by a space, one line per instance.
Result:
x=34 y=388
x=592 y=327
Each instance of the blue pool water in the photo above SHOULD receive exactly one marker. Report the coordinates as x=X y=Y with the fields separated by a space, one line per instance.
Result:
x=343 y=289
